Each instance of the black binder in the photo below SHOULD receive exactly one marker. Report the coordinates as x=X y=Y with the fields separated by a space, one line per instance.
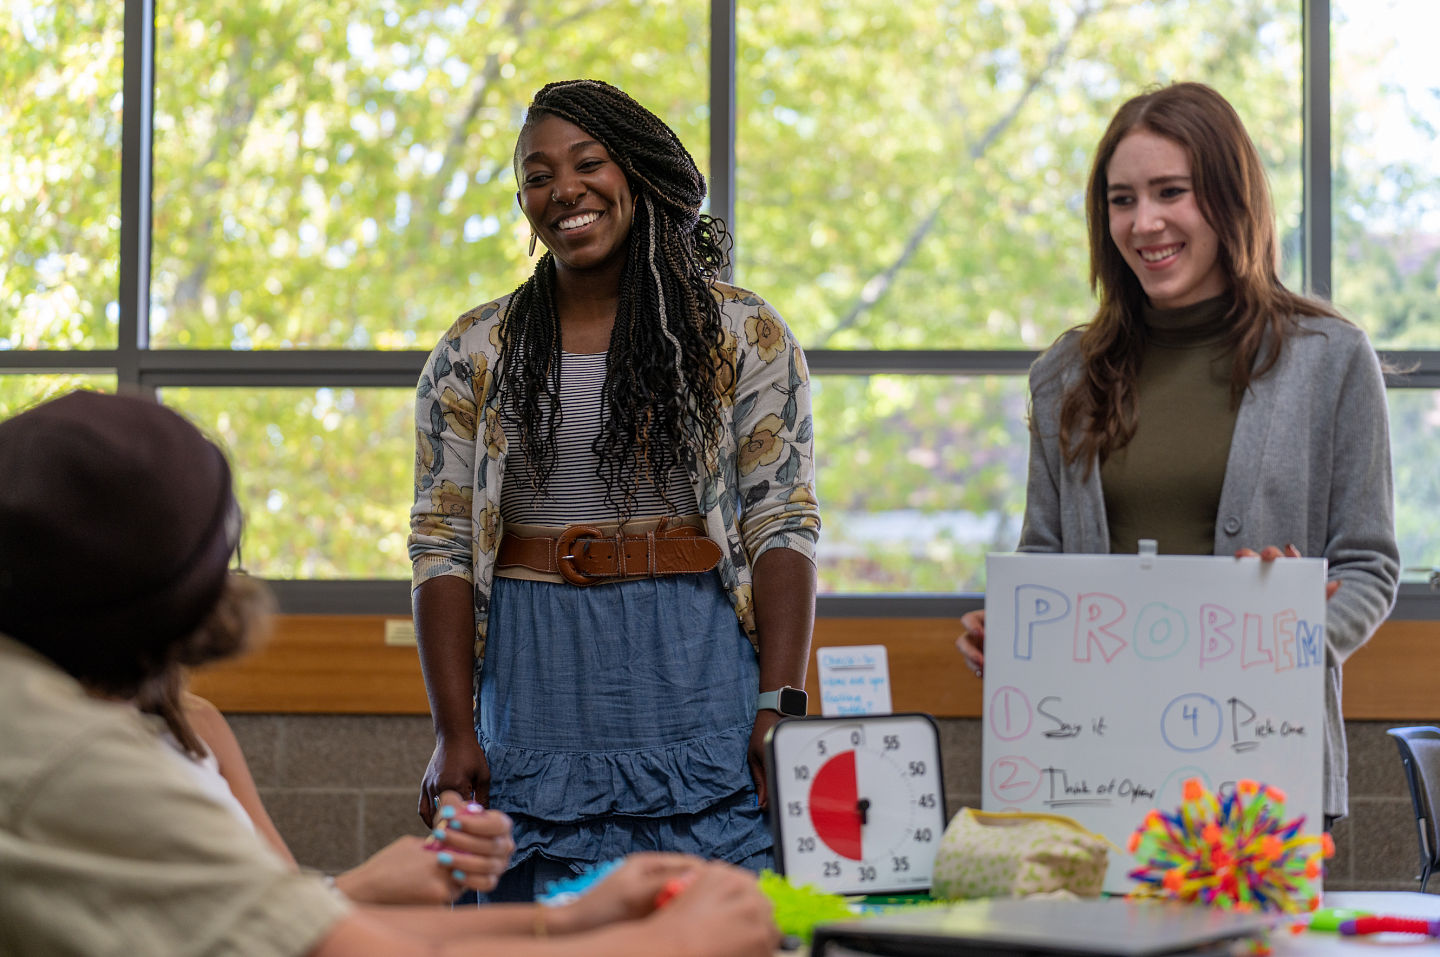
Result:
x=1032 y=928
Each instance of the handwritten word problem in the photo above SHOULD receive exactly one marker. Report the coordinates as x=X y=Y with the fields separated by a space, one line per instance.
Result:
x=1249 y=728
x=1190 y=723
x=1014 y=778
x=1097 y=627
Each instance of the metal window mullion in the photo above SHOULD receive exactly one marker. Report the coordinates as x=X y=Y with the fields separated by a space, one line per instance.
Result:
x=154 y=367
x=950 y=362
x=722 y=117
x=391 y=597
x=136 y=167
x=42 y=361
x=1412 y=369
x=1317 y=173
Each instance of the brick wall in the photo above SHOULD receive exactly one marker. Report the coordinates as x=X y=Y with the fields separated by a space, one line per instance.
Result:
x=340 y=787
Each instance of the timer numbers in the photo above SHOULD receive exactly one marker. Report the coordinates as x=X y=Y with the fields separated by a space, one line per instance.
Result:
x=861 y=805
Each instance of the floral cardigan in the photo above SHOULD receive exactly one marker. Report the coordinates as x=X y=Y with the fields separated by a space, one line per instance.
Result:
x=756 y=491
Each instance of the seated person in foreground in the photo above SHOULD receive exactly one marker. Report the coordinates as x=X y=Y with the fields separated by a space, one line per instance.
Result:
x=469 y=850
x=117 y=524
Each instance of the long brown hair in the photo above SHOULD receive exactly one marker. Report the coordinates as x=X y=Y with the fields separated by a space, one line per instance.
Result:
x=237 y=623
x=1100 y=411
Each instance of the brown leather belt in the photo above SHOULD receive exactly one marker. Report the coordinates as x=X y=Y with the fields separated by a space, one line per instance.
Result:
x=584 y=555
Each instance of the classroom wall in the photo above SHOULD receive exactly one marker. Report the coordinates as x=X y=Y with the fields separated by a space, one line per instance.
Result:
x=340 y=787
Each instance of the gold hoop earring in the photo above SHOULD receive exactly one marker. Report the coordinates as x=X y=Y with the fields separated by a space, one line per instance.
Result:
x=532 y=243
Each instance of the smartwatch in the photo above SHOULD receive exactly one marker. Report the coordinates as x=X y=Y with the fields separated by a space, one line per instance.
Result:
x=787 y=701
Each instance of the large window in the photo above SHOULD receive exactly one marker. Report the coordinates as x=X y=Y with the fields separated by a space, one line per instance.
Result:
x=1415 y=446
x=339 y=176
x=323 y=476
x=1386 y=194
x=60 y=108
x=911 y=175
x=19 y=392
x=912 y=172
x=1387 y=169
x=919 y=477
x=304 y=193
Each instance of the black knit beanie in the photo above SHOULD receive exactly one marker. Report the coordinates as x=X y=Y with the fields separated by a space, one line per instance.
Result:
x=117 y=523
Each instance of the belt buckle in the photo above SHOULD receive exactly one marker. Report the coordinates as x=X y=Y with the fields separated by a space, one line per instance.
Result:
x=565 y=557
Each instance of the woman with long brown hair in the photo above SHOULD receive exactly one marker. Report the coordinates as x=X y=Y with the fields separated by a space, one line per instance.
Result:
x=1206 y=406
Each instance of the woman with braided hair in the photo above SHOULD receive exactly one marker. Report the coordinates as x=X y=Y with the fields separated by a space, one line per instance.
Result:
x=615 y=519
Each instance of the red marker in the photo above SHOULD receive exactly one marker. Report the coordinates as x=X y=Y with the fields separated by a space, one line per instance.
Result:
x=673 y=887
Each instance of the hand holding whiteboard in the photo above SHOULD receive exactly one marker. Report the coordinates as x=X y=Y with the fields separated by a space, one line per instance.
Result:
x=1110 y=679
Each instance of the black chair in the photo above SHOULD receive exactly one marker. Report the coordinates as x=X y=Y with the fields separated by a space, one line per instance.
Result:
x=1420 y=753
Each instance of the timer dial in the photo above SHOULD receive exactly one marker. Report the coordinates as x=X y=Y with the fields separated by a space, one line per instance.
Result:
x=858 y=804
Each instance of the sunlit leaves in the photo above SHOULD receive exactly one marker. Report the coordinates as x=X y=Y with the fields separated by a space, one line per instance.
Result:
x=911 y=176
x=323 y=475
x=21 y=392
x=338 y=175
x=60 y=105
x=954 y=137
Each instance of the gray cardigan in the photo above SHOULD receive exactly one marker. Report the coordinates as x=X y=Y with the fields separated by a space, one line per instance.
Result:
x=1309 y=465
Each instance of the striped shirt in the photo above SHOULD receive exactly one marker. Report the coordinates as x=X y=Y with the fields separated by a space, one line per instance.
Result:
x=575 y=492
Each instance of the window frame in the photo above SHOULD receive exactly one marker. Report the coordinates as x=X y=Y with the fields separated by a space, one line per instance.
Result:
x=139 y=368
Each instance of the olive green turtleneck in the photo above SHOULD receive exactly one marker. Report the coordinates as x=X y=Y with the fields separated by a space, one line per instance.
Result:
x=1166 y=483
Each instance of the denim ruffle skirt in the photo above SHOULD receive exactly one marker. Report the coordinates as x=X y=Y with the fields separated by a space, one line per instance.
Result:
x=616 y=718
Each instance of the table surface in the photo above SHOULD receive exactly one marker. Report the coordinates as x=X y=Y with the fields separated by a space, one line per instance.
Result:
x=1385 y=903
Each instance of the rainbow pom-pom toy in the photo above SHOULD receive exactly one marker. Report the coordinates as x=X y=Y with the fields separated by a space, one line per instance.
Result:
x=1236 y=852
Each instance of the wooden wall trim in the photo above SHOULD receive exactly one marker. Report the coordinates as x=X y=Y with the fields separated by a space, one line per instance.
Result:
x=341 y=664
x=320 y=664
x=1393 y=677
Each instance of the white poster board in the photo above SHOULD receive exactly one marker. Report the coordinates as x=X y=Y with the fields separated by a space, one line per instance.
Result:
x=1110 y=679
x=854 y=679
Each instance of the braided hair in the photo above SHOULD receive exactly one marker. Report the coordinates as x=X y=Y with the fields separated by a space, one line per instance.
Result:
x=660 y=406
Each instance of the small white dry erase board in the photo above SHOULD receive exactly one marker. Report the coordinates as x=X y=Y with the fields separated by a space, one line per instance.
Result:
x=1111 y=679
x=857 y=804
x=854 y=679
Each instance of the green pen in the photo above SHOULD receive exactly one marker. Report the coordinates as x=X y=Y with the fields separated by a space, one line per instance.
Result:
x=1329 y=918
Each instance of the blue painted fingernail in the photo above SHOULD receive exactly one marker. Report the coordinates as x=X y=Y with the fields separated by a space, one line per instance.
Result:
x=458 y=875
x=474 y=808
x=446 y=858
x=439 y=833
x=447 y=811
x=455 y=825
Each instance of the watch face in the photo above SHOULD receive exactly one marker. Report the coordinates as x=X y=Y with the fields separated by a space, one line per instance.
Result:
x=793 y=701
x=857 y=803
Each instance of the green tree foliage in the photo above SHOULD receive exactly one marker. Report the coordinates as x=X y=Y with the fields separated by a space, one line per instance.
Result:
x=324 y=475
x=338 y=175
x=333 y=174
x=919 y=476
x=1415 y=443
x=21 y=392
x=912 y=175
x=60 y=99
x=1386 y=263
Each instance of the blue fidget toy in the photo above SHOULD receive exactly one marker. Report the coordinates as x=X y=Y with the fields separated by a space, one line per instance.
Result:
x=570 y=889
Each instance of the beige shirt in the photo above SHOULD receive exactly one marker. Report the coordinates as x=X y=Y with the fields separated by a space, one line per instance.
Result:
x=108 y=848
